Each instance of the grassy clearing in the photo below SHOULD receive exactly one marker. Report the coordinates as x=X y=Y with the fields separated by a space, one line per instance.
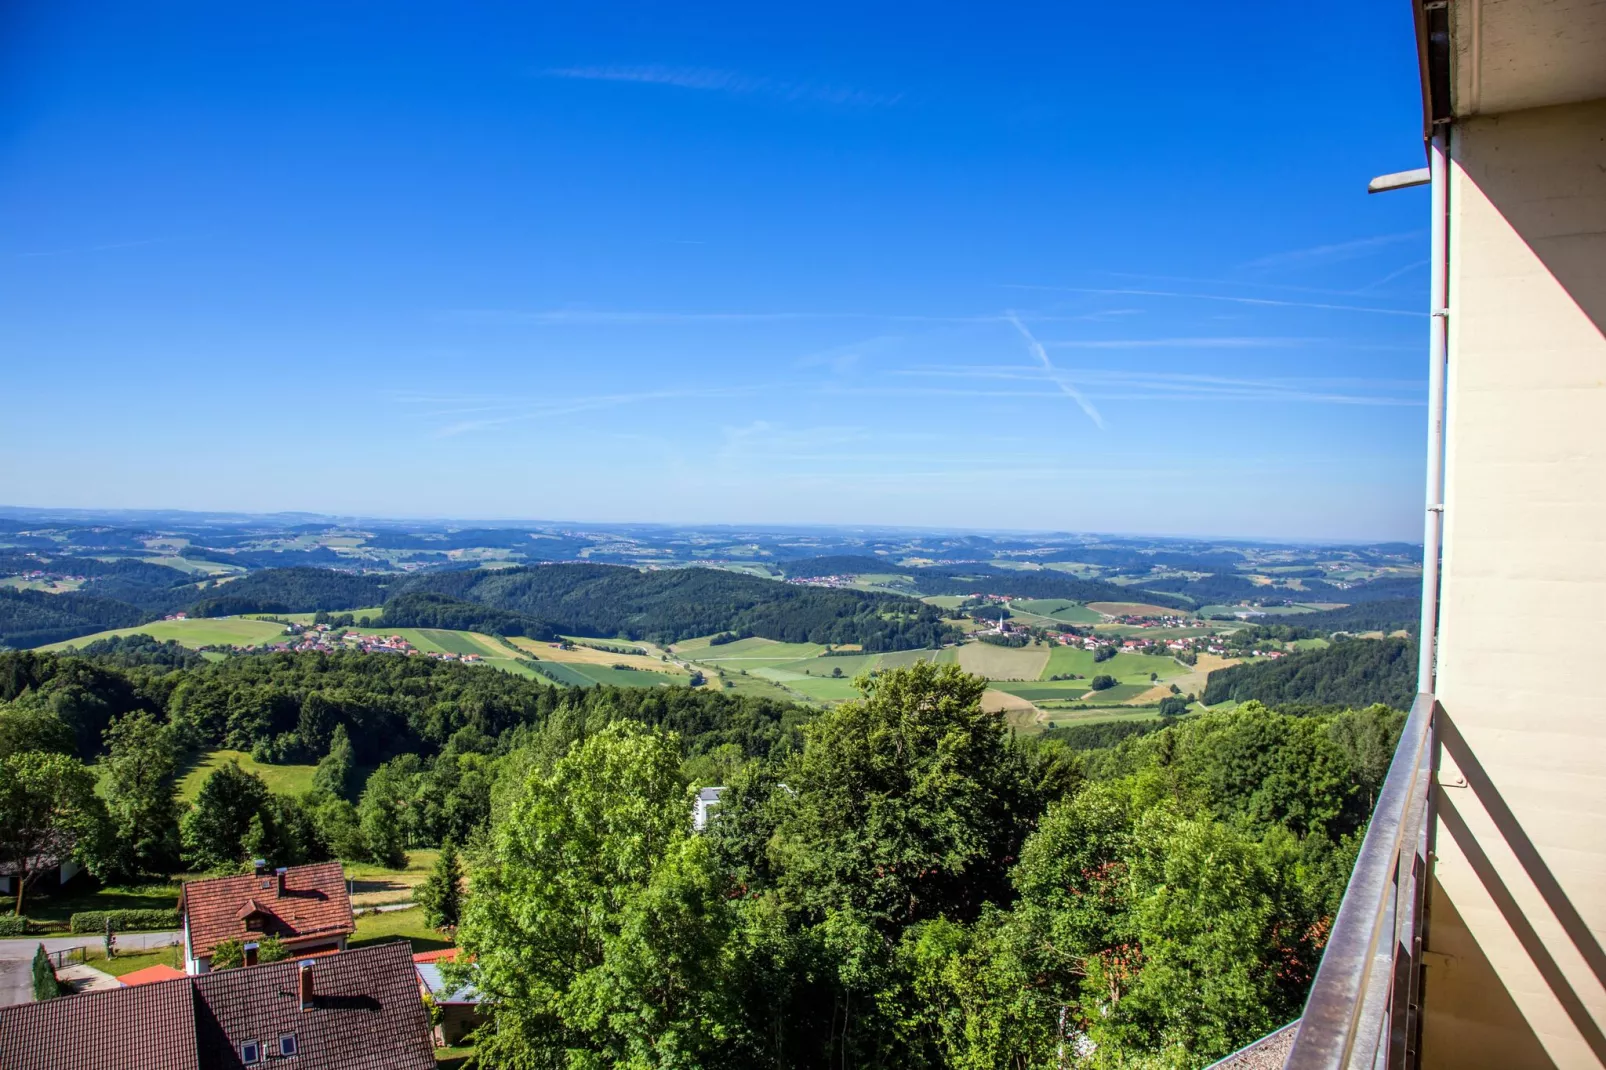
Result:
x=373 y=885
x=944 y=601
x=812 y=688
x=196 y=633
x=393 y=925
x=756 y=686
x=283 y=779
x=1002 y=662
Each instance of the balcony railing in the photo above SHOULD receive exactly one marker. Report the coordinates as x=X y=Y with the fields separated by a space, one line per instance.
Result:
x=1364 y=1007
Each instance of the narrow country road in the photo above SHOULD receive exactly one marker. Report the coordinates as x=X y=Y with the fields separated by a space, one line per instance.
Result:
x=16 y=956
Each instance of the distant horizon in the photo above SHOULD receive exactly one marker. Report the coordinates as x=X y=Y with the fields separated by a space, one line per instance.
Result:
x=88 y=514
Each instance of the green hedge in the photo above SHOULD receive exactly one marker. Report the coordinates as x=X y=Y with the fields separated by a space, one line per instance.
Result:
x=122 y=921
x=11 y=925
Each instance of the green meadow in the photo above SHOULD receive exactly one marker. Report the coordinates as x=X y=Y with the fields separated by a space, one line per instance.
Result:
x=194 y=633
x=283 y=779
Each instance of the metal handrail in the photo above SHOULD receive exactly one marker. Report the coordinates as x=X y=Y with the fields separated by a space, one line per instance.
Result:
x=1362 y=1008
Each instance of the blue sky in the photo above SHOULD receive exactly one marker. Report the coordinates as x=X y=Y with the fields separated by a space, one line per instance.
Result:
x=1071 y=267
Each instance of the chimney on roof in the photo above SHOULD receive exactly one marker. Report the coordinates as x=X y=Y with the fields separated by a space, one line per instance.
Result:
x=304 y=985
x=280 y=874
x=259 y=866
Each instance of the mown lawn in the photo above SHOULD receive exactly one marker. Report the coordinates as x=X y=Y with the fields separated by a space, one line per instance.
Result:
x=283 y=779
x=392 y=925
x=127 y=962
x=373 y=885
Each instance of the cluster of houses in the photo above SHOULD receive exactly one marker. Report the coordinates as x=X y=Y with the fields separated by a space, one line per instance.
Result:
x=823 y=581
x=326 y=1007
x=321 y=638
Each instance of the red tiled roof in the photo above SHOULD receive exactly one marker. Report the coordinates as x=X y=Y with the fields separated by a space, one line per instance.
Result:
x=150 y=975
x=314 y=904
x=365 y=1014
x=448 y=954
x=148 y=1027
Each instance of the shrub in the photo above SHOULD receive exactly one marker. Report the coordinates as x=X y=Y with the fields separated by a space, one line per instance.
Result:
x=45 y=985
x=11 y=925
x=122 y=921
x=1103 y=653
x=1102 y=682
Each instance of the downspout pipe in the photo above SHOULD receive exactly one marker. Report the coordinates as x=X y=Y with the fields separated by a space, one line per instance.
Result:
x=1438 y=337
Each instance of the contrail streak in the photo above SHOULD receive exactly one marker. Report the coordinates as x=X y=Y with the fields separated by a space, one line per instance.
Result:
x=1042 y=356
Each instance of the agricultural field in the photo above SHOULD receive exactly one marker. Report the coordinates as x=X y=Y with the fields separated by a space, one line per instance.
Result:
x=944 y=601
x=1128 y=668
x=282 y=779
x=194 y=633
x=1003 y=662
x=1134 y=609
x=1270 y=611
x=1061 y=718
x=745 y=653
x=1055 y=609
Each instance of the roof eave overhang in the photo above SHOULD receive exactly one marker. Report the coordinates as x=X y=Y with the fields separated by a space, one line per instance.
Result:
x=1433 y=58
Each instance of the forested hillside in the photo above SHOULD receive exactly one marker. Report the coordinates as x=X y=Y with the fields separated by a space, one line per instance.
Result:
x=1355 y=672
x=291 y=590
x=1040 y=583
x=895 y=882
x=1384 y=615
x=34 y=618
x=669 y=605
x=425 y=609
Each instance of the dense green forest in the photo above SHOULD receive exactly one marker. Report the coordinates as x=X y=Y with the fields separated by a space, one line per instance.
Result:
x=894 y=882
x=34 y=618
x=597 y=600
x=669 y=605
x=423 y=609
x=291 y=590
x=1386 y=615
x=1354 y=672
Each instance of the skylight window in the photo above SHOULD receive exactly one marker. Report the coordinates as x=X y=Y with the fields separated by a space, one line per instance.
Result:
x=287 y=1045
x=250 y=1052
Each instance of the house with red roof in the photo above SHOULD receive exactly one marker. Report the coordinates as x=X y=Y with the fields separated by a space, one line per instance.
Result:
x=353 y=1010
x=305 y=907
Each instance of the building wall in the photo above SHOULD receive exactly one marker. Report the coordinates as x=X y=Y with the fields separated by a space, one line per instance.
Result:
x=1516 y=976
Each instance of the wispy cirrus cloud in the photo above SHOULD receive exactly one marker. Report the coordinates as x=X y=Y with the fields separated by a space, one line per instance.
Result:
x=1064 y=385
x=1182 y=343
x=709 y=79
x=1230 y=298
x=1333 y=253
x=1137 y=385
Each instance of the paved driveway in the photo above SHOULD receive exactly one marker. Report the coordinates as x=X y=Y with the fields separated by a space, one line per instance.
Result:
x=16 y=957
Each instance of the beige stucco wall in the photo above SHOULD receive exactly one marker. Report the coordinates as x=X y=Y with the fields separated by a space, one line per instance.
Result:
x=1517 y=976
